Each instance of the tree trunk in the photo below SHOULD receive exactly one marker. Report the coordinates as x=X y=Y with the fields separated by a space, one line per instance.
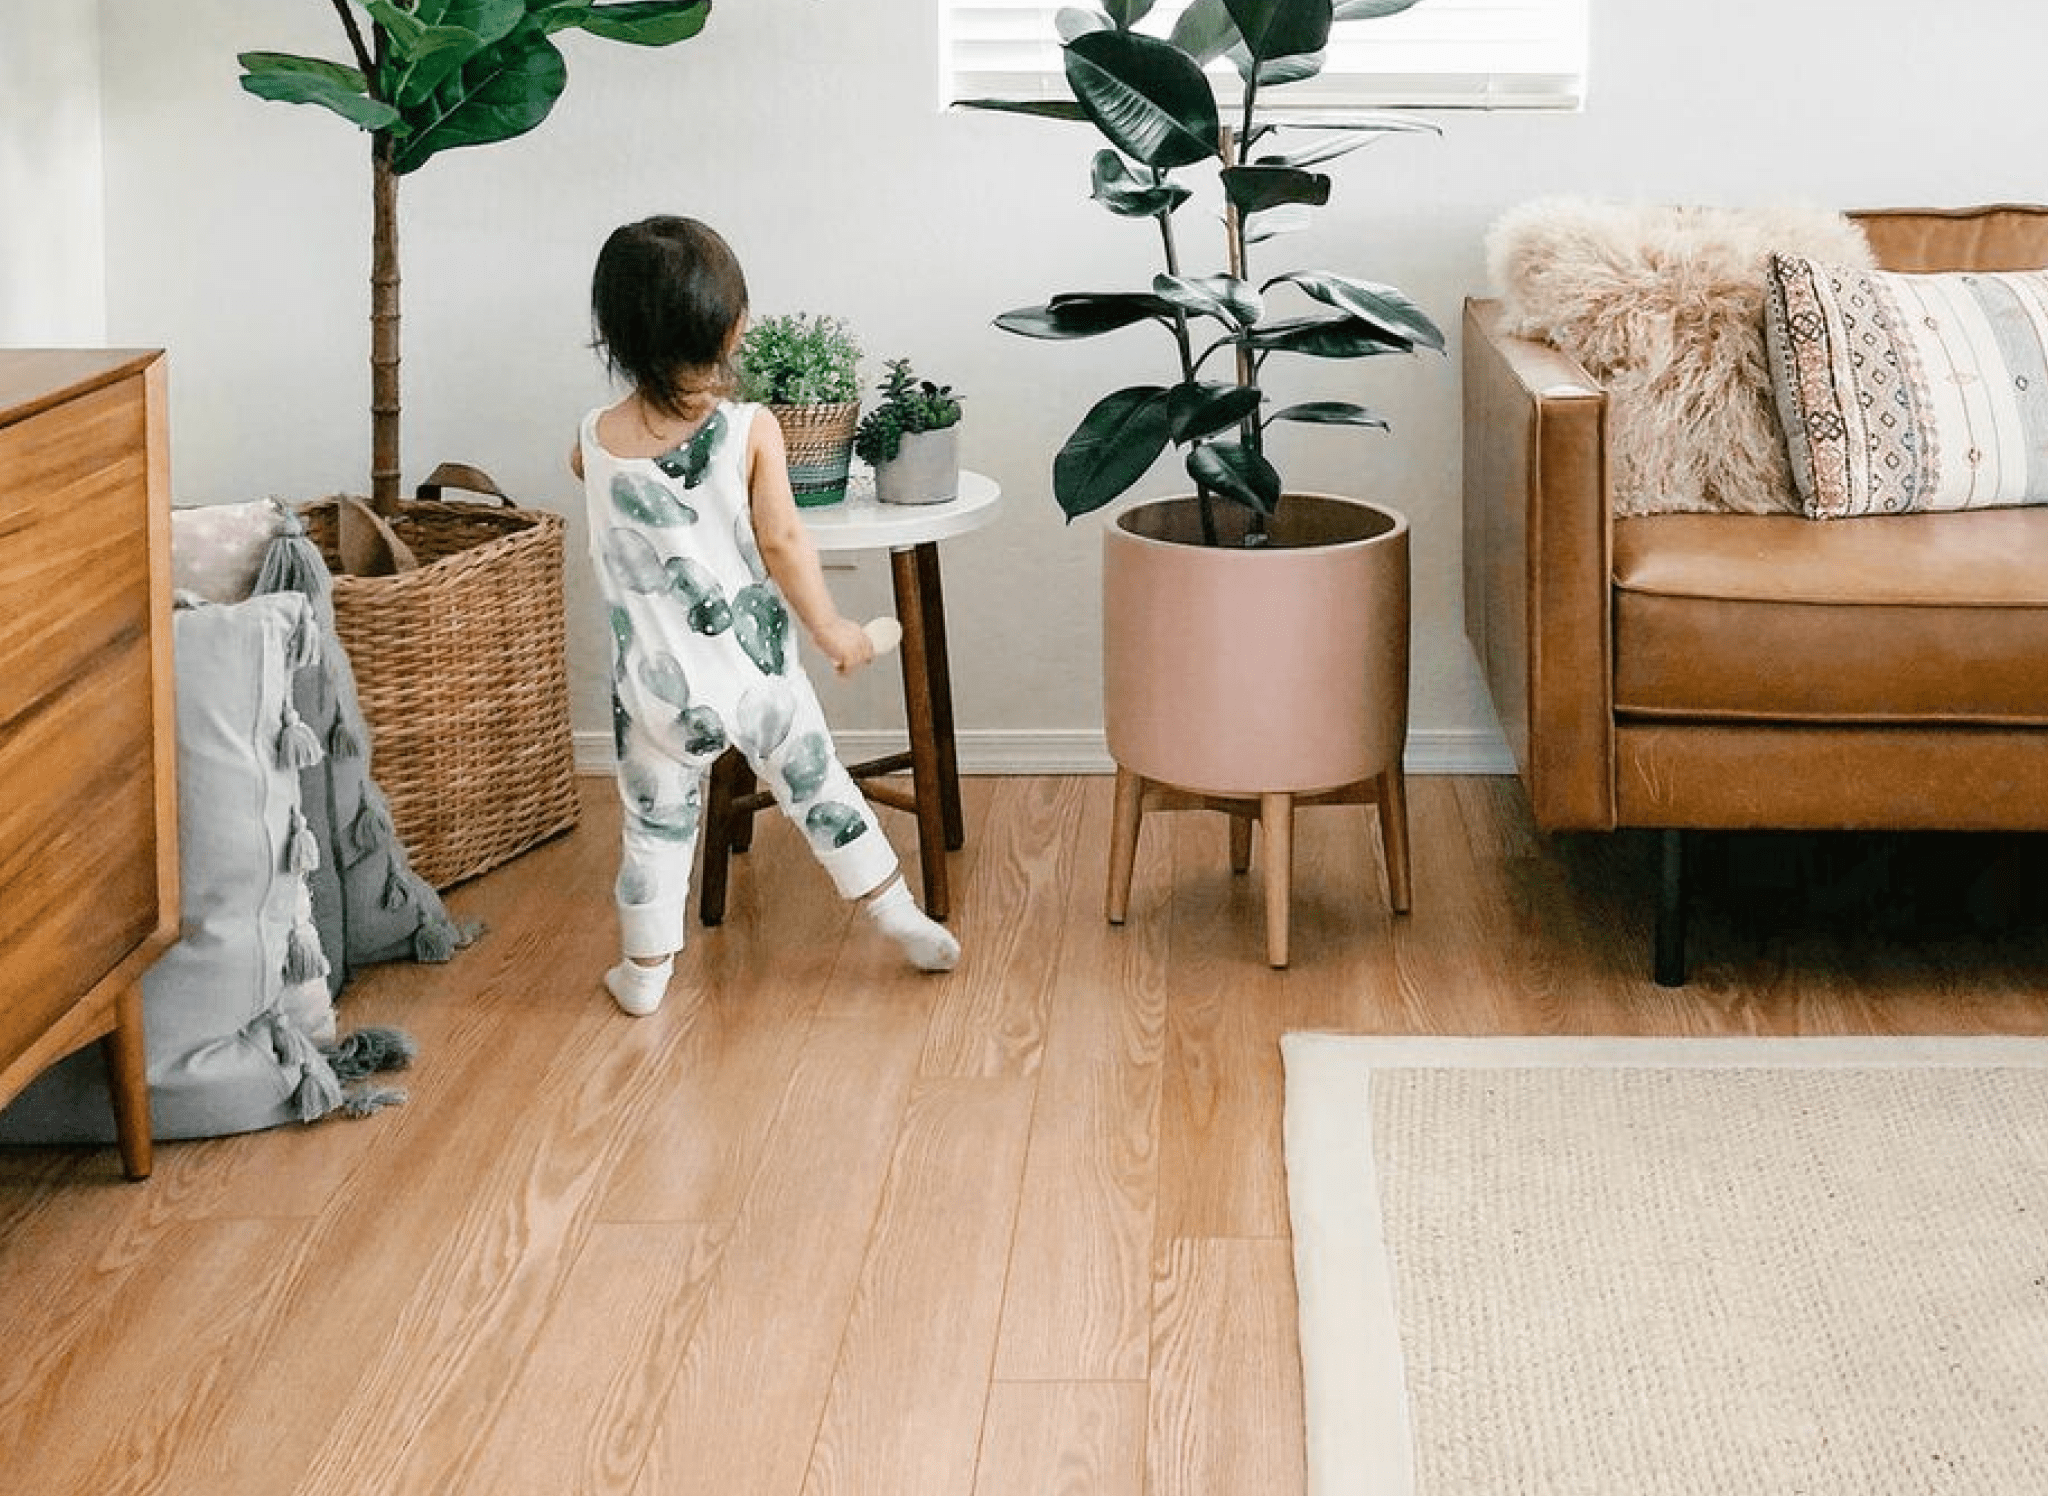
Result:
x=384 y=403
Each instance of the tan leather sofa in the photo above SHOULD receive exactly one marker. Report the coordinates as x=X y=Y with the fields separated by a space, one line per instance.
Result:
x=1688 y=672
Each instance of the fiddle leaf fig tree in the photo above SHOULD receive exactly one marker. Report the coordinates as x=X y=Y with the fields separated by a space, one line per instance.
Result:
x=1153 y=100
x=426 y=76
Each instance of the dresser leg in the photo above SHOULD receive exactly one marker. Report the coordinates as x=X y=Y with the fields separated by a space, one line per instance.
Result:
x=128 y=1078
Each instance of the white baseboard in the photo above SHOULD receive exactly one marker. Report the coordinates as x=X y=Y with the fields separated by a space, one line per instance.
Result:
x=1081 y=751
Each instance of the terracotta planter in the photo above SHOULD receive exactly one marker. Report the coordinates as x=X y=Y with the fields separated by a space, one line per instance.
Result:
x=1239 y=672
x=925 y=469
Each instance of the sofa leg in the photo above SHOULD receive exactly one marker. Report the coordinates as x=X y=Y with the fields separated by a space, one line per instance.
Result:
x=1670 y=954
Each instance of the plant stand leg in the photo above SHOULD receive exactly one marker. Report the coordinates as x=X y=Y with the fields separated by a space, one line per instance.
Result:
x=128 y=1078
x=1670 y=937
x=1276 y=819
x=1240 y=842
x=1129 y=811
x=1391 y=791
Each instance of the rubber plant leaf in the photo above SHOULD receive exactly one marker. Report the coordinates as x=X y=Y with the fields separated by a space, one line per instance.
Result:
x=1329 y=413
x=1065 y=109
x=1148 y=97
x=1111 y=449
x=1275 y=71
x=1129 y=195
x=1253 y=189
x=1197 y=410
x=1205 y=31
x=1238 y=473
x=1289 y=218
x=1328 y=337
x=1084 y=314
x=1383 y=307
x=1281 y=28
x=1127 y=13
x=1368 y=10
x=287 y=79
x=1070 y=21
x=1224 y=297
x=502 y=92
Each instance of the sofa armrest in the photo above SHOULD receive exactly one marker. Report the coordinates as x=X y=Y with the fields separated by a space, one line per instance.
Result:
x=1538 y=539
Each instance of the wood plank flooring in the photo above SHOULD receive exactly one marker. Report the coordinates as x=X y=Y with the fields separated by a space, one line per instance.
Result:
x=828 y=1227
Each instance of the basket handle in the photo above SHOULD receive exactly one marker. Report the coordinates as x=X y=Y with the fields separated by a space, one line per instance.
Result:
x=461 y=475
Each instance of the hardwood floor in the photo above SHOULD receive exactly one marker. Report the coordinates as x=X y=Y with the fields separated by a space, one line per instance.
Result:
x=827 y=1226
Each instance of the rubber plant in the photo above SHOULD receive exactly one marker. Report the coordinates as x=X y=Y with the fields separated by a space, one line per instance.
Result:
x=426 y=76
x=1154 y=101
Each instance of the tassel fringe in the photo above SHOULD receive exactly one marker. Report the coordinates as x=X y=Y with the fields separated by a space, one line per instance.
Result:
x=342 y=741
x=304 y=961
x=367 y=831
x=302 y=852
x=370 y=1051
x=298 y=746
x=292 y=563
x=319 y=1089
x=371 y=1099
x=436 y=940
x=303 y=649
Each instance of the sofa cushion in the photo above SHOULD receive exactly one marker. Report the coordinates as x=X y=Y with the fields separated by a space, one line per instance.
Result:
x=1918 y=618
x=1901 y=393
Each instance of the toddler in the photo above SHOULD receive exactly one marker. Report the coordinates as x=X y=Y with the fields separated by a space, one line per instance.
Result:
x=702 y=555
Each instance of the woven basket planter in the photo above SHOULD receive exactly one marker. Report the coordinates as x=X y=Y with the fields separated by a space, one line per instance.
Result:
x=462 y=668
x=820 y=443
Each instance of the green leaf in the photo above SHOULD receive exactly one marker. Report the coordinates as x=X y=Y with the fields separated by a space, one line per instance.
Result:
x=1128 y=195
x=1238 y=473
x=1084 y=314
x=502 y=92
x=1224 y=297
x=1368 y=10
x=1198 y=410
x=1147 y=96
x=1205 y=31
x=1289 y=218
x=1127 y=13
x=1329 y=413
x=1382 y=307
x=647 y=23
x=1062 y=109
x=488 y=20
x=1116 y=442
x=286 y=79
x=1295 y=68
x=1328 y=337
x=1377 y=122
x=1253 y=189
x=1070 y=21
x=1281 y=28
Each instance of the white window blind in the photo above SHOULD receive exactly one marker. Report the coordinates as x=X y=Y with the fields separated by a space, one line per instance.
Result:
x=1447 y=54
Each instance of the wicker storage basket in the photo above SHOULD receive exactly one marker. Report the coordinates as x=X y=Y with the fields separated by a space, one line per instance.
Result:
x=463 y=672
x=820 y=443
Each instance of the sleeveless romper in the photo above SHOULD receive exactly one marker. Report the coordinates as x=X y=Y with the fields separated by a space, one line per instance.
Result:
x=704 y=657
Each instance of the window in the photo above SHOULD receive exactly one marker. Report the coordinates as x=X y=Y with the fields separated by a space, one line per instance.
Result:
x=1447 y=54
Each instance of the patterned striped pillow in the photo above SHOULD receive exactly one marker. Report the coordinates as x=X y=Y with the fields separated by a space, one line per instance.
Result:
x=1910 y=392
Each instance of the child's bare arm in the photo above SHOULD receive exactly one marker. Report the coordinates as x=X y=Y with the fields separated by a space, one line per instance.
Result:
x=789 y=554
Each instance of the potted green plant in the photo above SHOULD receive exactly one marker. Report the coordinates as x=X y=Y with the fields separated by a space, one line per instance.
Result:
x=1255 y=640
x=911 y=439
x=806 y=368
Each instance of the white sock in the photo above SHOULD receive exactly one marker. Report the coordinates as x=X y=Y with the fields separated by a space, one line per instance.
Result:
x=639 y=989
x=929 y=944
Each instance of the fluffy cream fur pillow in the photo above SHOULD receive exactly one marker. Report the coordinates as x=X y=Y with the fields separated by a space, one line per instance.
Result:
x=1664 y=306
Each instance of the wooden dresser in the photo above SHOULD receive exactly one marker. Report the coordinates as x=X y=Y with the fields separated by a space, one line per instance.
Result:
x=88 y=750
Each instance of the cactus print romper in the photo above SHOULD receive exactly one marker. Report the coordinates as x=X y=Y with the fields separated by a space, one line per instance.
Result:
x=704 y=656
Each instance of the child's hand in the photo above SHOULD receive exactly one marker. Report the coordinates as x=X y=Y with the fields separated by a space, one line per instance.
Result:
x=846 y=644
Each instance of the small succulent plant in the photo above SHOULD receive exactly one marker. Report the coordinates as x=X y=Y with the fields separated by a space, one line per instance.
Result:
x=909 y=405
x=799 y=358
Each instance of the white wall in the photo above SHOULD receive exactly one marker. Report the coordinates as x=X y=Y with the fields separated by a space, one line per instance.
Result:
x=52 y=274
x=237 y=236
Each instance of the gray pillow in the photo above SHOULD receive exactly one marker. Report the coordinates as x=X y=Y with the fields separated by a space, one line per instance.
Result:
x=368 y=903
x=225 y=1054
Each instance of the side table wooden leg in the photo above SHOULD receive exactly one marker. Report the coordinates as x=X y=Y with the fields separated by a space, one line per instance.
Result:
x=1276 y=819
x=925 y=772
x=719 y=833
x=1392 y=794
x=1125 y=817
x=128 y=1079
x=1240 y=842
x=939 y=669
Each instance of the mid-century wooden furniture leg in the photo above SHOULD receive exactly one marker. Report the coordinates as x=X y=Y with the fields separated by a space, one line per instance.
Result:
x=922 y=719
x=938 y=669
x=1240 y=842
x=1276 y=820
x=1128 y=811
x=1392 y=793
x=128 y=1078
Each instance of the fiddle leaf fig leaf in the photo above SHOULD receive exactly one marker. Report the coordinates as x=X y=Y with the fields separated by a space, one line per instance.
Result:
x=502 y=92
x=1129 y=195
x=1116 y=442
x=286 y=79
x=1084 y=314
x=1281 y=28
x=1148 y=97
x=1382 y=307
x=1329 y=413
x=1198 y=410
x=1238 y=473
x=1253 y=189
x=1224 y=297
x=643 y=23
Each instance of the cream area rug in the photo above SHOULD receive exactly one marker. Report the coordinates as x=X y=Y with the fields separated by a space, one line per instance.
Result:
x=1706 y=1267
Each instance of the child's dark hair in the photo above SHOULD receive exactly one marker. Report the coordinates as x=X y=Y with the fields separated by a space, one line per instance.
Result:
x=664 y=299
